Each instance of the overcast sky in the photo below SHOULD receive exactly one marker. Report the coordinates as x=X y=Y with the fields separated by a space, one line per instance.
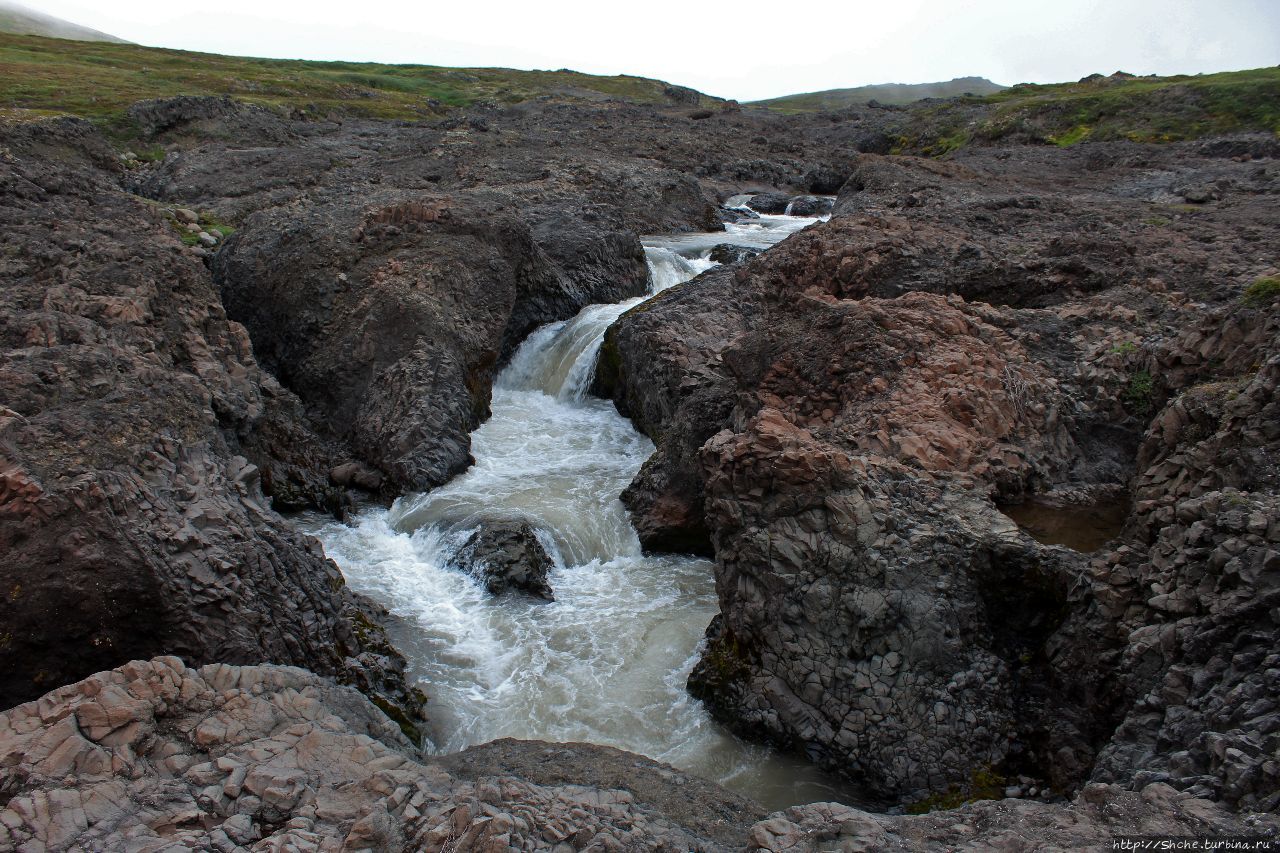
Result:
x=745 y=50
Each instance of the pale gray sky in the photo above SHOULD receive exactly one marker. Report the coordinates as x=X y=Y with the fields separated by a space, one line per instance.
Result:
x=746 y=50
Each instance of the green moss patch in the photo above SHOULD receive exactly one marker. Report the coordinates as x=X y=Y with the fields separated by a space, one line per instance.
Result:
x=1264 y=291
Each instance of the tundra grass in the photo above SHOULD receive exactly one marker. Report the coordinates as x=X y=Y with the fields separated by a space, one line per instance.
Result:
x=96 y=80
x=1142 y=109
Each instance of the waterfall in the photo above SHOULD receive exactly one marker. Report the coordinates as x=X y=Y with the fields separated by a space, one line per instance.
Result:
x=607 y=661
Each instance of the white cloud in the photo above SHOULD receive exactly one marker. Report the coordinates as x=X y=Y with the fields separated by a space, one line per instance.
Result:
x=745 y=50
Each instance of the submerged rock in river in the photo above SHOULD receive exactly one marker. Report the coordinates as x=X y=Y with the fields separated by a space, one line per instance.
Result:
x=507 y=554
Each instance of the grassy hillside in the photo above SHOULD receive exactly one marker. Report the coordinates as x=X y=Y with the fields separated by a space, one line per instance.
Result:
x=41 y=76
x=20 y=20
x=885 y=93
x=1148 y=109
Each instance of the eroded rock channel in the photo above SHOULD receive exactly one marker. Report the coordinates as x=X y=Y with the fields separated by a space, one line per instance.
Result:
x=605 y=662
x=742 y=510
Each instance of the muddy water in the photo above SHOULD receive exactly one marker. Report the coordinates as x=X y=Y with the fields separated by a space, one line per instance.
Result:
x=1080 y=528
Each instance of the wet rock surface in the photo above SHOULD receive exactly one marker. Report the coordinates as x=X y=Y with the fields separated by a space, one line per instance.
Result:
x=507 y=555
x=837 y=419
x=384 y=271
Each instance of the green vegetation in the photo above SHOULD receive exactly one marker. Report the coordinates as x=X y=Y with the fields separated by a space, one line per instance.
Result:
x=885 y=93
x=1262 y=292
x=1139 y=393
x=399 y=717
x=984 y=784
x=98 y=80
x=1079 y=133
x=1143 y=109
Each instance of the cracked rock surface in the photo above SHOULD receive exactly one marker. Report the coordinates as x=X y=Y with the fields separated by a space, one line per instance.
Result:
x=157 y=756
x=840 y=420
x=136 y=430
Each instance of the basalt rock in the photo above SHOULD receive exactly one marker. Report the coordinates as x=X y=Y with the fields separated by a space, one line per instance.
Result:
x=866 y=594
x=388 y=321
x=736 y=214
x=508 y=555
x=769 y=202
x=808 y=205
x=728 y=253
x=156 y=754
x=824 y=425
x=136 y=434
x=654 y=365
x=1095 y=820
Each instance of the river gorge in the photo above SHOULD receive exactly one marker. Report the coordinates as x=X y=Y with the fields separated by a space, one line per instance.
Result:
x=944 y=514
x=607 y=661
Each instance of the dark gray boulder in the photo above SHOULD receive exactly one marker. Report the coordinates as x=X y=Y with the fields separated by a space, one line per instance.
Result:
x=772 y=203
x=135 y=441
x=728 y=253
x=809 y=205
x=506 y=555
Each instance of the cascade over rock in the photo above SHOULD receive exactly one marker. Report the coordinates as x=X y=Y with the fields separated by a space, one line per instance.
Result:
x=286 y=312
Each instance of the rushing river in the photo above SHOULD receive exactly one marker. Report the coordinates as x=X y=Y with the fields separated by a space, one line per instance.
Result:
x=607 y=661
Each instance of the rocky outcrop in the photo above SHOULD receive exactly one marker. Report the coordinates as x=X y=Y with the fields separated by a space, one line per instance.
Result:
x=1095 y=820
x=452 y=241
x=388 y=321
x=507 y=555
x=865 y=596
x=155 y=754
x=841 y=440
x=662 y=368
x=769 y=202
x=1197 y=605
x=727 y=253
x=135 y=434
x=807 y=205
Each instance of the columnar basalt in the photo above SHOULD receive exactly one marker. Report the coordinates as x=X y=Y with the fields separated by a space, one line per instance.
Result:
x=843 y=441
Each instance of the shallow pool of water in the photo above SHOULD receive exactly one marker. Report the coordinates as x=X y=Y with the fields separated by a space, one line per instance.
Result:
x=1081 y=528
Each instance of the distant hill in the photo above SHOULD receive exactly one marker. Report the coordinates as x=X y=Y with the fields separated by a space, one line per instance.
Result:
x=885 y=93
x=98 y=80
x=22 y=21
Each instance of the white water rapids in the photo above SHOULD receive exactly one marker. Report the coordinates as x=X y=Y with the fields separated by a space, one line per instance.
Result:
x=607 y=661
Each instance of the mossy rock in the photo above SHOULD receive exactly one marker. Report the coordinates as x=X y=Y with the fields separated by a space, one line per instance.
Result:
x=984 y=784
x=1263 y=292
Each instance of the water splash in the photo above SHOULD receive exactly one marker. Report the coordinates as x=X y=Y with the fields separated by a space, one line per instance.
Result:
x=608 y=660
